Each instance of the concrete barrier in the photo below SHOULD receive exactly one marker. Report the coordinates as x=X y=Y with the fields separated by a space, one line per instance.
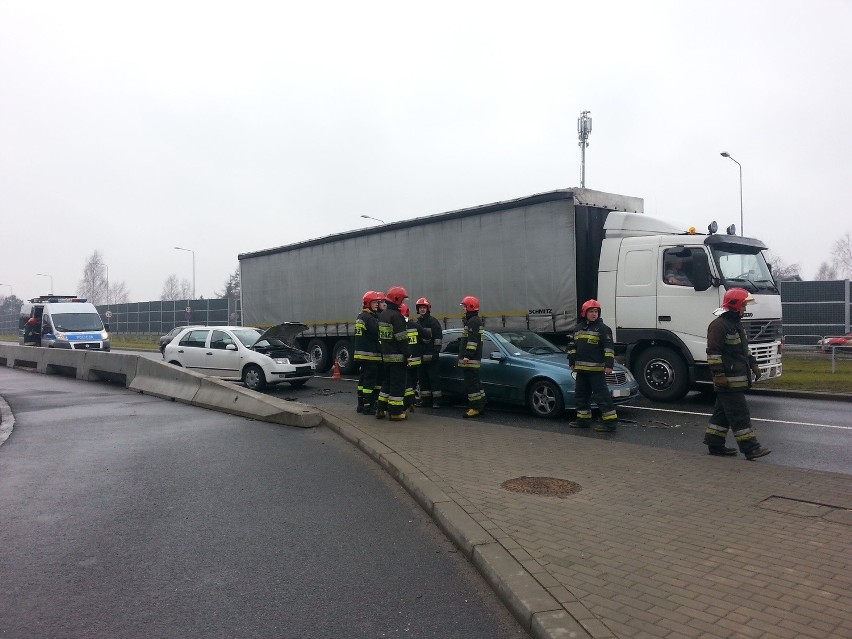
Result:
x=155 y=377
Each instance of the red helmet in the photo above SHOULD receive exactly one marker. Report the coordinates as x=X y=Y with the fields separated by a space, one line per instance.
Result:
x=397 y=295
x=423 y=302
x=369 y=296
x=470 y=303
x=403 y=308
x=589 y=304
x=736 y=299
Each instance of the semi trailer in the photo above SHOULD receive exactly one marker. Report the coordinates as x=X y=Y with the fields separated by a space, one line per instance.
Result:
x=532 y=262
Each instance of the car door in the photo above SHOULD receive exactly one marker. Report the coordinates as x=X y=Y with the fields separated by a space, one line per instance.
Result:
x=495 y=374
x=192 y=350
x=223 y=355
x=452 y=378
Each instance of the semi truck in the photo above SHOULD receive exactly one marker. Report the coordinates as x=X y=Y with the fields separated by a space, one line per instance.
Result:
x=532 y=262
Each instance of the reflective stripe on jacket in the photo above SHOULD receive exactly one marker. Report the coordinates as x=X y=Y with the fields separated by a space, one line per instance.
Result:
x=471 y=341
x=592 y=350
x=727 y=351
x=367 y=337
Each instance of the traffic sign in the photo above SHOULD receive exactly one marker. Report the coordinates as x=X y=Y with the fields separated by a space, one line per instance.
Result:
x=108 y=314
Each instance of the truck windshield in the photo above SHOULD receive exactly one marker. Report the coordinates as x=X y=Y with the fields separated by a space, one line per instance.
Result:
x=71 y=322
x=744 y=270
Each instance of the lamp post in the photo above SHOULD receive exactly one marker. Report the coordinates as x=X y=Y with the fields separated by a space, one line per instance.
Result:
x=725 y=154
x=193 y=267
x=584 y=130
x=107 y=283
x=51 y=281
x=373 y=218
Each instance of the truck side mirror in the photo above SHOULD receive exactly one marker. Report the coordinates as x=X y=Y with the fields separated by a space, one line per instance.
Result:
x=701 y=279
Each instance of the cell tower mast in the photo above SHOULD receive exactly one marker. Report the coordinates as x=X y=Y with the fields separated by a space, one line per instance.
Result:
x=584 y=129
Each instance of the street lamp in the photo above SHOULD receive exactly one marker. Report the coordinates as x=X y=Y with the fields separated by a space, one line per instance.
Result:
x=373 y=218
x=725 y=154
x=193 y=267
x=51 y=281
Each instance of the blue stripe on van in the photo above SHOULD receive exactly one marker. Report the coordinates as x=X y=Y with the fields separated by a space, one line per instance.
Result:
x=84 y=337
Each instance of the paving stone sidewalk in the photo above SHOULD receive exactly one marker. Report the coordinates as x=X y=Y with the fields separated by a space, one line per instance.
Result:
x=655 y=543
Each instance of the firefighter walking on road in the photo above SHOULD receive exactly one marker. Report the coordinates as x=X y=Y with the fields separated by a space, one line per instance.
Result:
x=367 y=353
x=730 y=363
x=393 y=342
x=431 y=334
x=592 y=356
x=470 y=356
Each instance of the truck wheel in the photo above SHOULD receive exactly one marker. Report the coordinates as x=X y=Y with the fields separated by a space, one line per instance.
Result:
x=544 y=398
x=662 y=375
x=318 y=350
x=254 y=378
x=344 y=354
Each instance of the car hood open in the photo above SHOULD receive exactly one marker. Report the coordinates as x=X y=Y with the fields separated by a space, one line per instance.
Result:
x=286 y=332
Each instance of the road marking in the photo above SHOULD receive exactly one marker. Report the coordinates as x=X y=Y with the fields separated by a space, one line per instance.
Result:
x=754 y=419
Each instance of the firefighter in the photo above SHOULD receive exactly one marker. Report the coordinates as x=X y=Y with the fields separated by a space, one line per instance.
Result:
x=591 y=356
x=367 y=353
x=414 y=361
x=470 y=356
x=393 y=343
x=730 y=363
x=431 y=333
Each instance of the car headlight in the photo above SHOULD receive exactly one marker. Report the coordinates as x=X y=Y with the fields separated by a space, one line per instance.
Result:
x=104 y=335
x=629 y=376
x=281 y=360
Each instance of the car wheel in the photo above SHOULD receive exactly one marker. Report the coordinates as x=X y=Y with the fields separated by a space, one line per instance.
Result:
x=544 y=398
x=318 y=350
x=661 y=374
x=298 y=382
x=344 y=355
x=254 y=378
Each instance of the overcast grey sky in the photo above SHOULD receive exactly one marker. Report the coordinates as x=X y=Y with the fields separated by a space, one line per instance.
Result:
x=130 y=128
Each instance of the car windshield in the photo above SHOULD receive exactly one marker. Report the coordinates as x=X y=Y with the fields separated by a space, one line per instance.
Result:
x=526 y=341
x=77 y=322
x=248 y=336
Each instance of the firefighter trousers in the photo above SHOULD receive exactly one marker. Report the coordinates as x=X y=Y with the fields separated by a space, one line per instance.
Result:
x=392 y=395
x=731 y=412
x=430 y=382
x=369 y=383
x=473 y=388
x=592 y=385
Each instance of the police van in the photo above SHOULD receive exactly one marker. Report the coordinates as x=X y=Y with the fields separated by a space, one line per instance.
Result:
x=56 y=321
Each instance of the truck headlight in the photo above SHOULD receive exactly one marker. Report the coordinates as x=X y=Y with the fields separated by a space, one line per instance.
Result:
x=280 y=360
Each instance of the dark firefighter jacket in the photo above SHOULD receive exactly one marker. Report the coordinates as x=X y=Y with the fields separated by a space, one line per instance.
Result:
x=592 y=350
x=367 y=337
x=727 y=352
x=393 y=335
x=471 y=341
x=415 y=345
x=430 y=337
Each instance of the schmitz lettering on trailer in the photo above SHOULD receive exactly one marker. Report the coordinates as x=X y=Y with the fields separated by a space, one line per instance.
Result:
x=540 y=311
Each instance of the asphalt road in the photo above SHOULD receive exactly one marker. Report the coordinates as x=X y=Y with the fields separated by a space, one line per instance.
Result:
x=813 y=434
x=124 y=515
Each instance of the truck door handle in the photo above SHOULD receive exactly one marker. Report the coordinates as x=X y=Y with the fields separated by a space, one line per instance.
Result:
x=665 y=318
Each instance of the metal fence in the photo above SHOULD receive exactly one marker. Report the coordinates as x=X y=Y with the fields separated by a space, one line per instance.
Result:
x=813 y=310
x=155 y=318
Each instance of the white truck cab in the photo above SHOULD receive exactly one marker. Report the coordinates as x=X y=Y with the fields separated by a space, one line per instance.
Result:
x=55 y=321
x=664 y=283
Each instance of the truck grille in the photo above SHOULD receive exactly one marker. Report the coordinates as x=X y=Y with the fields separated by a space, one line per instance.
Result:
x=762 y=330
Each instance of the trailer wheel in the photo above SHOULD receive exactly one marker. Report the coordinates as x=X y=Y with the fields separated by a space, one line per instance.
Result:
x=662 y=375
x=345 y=357
x=544 y=398
x=318 y=350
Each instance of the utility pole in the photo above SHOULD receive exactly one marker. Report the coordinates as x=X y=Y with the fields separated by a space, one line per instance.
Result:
x=584 y=129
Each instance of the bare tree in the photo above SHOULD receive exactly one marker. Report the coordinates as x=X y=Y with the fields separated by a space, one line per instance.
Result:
x=171 y=289
x=826 y=272
x=231 y=291
x=781 y=270
x=93 y=285
x=118 y=293
x=841 y=252
x=176 y=290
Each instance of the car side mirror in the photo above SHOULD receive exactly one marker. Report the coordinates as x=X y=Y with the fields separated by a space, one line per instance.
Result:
x=497 y=356
x=231 y=347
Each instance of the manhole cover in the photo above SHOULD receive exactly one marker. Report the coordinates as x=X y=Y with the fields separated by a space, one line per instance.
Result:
x=547 y=486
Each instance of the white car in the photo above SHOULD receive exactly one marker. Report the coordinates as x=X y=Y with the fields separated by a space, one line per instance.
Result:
x=243 y=353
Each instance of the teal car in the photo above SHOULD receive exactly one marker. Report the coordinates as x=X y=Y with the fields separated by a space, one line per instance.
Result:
x=521 y=367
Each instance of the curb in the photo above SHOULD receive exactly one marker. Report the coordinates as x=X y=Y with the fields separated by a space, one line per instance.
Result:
x=535 y=609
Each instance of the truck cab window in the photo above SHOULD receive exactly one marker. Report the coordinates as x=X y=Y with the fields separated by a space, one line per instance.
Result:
x=677 y=268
